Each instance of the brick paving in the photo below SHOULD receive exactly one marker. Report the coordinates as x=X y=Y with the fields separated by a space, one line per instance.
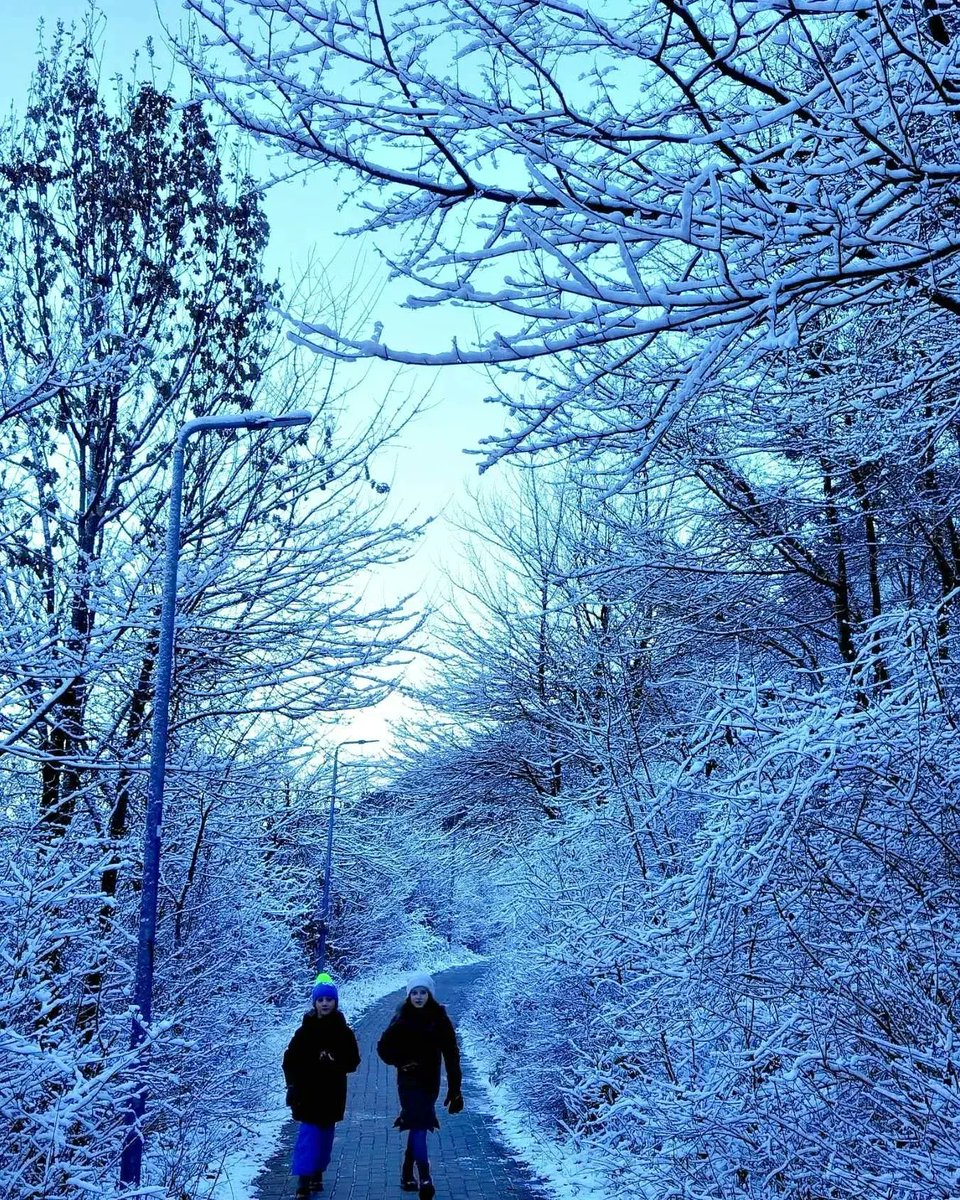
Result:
x=467 y=1160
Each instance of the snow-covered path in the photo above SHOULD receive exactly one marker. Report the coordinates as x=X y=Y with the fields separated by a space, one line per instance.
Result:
x=468 y=1161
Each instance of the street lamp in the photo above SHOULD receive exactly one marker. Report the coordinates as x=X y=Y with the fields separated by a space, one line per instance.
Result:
x=325 y=903
x=132 y=1155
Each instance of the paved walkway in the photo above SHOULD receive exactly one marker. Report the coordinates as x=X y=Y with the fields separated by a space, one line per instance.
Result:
x=467 y=1162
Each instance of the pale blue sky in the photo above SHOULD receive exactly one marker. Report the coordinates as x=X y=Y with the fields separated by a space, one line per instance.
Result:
x=427 y=469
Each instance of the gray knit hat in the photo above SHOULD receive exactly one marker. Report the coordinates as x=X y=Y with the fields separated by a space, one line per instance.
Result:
x=420 y=979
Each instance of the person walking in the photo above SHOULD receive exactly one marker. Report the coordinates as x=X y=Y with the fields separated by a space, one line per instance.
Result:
x=316 y=1063
x=417 y=1038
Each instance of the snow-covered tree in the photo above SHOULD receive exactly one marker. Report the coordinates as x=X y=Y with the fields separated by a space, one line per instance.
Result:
x=587 y=177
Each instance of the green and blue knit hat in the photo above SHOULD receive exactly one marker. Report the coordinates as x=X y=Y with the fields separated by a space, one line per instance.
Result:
x=324 y=988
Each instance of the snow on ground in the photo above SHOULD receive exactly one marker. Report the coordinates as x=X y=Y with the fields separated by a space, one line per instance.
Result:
x=563 y=1170
x=232 y=1178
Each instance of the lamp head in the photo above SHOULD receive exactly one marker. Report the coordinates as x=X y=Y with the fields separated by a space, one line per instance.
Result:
x=254 y=420
x=277 y=420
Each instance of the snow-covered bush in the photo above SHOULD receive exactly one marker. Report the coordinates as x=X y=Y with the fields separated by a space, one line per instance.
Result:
x=776 y=1014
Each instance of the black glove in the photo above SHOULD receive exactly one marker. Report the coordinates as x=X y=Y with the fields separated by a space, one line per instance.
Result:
x=454 y=1102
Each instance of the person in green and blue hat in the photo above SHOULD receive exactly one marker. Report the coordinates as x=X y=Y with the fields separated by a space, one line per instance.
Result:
x=320 y=1056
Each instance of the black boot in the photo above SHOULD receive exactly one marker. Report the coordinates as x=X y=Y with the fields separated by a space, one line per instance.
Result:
x=303 y=1186
x=407 y=1181
x=316 y=1183
x=426 y=1190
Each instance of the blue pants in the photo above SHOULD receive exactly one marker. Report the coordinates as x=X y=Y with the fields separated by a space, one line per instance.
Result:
x=311 y=1151
x=417 y=1149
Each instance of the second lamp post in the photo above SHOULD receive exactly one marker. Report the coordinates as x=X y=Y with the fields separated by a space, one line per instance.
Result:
x=325 y=903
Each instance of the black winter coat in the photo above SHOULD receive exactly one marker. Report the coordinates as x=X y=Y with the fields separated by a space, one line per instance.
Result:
x=414 y=1042
x=317 y=1086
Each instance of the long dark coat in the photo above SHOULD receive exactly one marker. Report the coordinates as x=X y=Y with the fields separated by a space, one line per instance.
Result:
x=414 y=1042
x=317 y=1088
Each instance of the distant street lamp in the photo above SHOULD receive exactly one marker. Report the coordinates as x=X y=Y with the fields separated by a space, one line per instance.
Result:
x=132 y=1155
x=325 y=903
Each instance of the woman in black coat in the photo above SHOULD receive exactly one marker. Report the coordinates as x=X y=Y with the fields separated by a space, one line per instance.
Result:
x=419 y=1036
x=321 y=1055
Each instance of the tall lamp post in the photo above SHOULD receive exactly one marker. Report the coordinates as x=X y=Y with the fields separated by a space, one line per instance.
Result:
x=325 y=903
x=132 y=1156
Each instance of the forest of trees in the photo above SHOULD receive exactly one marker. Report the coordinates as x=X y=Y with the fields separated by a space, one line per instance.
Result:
x=689 y=774
x=698 y=710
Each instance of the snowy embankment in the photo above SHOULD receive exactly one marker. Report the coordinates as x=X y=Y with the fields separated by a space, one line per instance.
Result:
x=563 y=1168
